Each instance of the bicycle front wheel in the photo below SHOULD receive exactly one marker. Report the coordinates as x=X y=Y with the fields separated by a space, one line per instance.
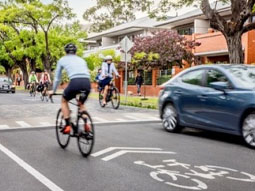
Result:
x=86 y=132
x=115 y=98
x=63 y=139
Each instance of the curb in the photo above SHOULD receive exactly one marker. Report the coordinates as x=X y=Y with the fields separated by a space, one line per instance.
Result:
x=96 y=123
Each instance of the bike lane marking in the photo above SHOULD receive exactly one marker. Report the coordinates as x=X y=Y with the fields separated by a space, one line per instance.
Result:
x=4 y=127
x=23 y=124
x=36 y=174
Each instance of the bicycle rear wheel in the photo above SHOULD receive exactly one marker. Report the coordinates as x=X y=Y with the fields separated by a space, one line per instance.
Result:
x=63 y=139
x=115 y=98
x=42 y=96
x=100 y=98
x=86 y=132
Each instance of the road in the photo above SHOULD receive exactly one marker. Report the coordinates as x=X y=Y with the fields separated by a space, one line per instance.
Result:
x=21 y=111
x=137 y=156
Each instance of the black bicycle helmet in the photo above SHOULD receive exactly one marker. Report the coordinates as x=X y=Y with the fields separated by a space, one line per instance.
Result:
x=70 y=48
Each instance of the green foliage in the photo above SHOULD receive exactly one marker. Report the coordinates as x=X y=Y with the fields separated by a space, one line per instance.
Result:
x=163 y=79
x=2 y=70
x=95 y=60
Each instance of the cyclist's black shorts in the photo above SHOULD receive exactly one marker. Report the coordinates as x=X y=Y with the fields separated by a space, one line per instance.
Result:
x=46 y=84
x=105 y=82
x=75 y=87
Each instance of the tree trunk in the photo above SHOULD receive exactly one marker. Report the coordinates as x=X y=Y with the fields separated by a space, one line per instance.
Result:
x=32 y=64
x=23 y=68
x=235 y=48
x=47 y=64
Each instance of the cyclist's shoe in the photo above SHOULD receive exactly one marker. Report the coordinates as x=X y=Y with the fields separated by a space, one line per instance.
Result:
x=87 y=128
x=66 y=130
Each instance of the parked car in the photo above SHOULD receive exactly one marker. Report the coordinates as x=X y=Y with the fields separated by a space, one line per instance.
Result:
x=6 y=85
x=212 y=97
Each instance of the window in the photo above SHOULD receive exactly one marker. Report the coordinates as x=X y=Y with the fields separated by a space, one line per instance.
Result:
x=194 y=77
x=131 y=78
x=163 y=76
x=186 y=31
x=215 y=76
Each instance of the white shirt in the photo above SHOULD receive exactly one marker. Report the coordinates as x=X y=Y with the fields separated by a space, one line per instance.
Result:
x=108 y=72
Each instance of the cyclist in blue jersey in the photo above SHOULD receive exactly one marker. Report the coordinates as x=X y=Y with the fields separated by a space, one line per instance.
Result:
x=78 y=73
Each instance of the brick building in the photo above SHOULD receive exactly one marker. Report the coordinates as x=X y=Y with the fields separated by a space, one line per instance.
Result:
x=195 y=26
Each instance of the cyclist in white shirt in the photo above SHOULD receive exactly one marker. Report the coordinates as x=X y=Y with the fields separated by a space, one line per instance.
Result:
x=108 y=68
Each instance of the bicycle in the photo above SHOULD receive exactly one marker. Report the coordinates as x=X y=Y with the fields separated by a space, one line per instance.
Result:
x=82 y=129
x=44 y=95
x=186 y=176
x=113 y=96
x=32 y=89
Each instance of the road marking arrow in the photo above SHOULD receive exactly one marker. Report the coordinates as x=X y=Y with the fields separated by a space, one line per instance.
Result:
x=125 y=150
x=119 y=153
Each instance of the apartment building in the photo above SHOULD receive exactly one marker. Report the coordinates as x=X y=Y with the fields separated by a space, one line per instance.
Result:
x=194 y=25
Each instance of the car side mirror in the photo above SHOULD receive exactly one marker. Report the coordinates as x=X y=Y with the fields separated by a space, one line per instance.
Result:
x=221 y=86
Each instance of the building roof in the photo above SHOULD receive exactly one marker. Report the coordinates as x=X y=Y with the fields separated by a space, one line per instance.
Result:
x=132 y=26
x=221 y=7
x=146 y=22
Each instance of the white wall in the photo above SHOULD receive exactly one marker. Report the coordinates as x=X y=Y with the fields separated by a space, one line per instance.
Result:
x=106 y=41
x=201 y=26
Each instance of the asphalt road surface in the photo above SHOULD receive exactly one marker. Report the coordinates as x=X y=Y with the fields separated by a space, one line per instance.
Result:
x=22 y=111
x=126 y=157
x=144 y=157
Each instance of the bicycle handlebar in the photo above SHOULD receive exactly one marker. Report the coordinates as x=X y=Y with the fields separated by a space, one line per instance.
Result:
x=51 y=99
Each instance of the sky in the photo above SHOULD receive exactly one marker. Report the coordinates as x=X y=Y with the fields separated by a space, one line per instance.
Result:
x=79 y=7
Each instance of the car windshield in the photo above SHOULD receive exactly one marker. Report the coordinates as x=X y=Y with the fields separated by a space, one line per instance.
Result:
x=5 y=80
x=245 y=76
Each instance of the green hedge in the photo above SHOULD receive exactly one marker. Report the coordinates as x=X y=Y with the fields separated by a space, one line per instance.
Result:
x=163 y=79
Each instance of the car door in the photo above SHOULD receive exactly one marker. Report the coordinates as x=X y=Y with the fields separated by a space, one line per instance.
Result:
x=218 y=108
x=188 y=91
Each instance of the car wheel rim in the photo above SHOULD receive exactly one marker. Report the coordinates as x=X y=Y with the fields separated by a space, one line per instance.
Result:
x=249 y=130
x=170 y=118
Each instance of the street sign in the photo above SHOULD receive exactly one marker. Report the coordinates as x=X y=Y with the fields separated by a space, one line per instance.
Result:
x=123 y=59
x=126 y=44
x=119 y=151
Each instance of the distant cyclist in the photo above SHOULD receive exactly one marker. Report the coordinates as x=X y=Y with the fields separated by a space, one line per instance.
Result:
x=45 y=81
x=108 y=68
x=32 y=80
x=98 y=79
x=78 y=73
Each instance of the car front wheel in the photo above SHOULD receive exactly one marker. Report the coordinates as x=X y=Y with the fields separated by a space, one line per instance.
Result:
x=170 y=119
x=248 y=130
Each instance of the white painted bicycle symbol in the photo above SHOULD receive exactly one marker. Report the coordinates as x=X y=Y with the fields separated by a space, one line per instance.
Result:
x=193 y=174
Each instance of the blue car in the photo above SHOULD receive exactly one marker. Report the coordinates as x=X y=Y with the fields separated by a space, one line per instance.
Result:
x=212 y=97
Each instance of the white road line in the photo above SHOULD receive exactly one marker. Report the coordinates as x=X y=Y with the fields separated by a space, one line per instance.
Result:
x=99 y=119
x=144 y=116
x=41 y=178
x=4 y=127
x=152 y=118
x=23 y=124
x=119 y=153
x=99 y=153
x=46 y=124
x=132 y=117
x=119 y=119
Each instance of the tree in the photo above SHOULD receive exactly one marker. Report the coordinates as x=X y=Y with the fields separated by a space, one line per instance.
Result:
x=39 y=17
x=95 y=60
x=162 y=49
x=110 y=13
x=232 y=28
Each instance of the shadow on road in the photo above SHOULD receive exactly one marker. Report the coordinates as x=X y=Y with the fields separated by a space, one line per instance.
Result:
x=217 y=136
